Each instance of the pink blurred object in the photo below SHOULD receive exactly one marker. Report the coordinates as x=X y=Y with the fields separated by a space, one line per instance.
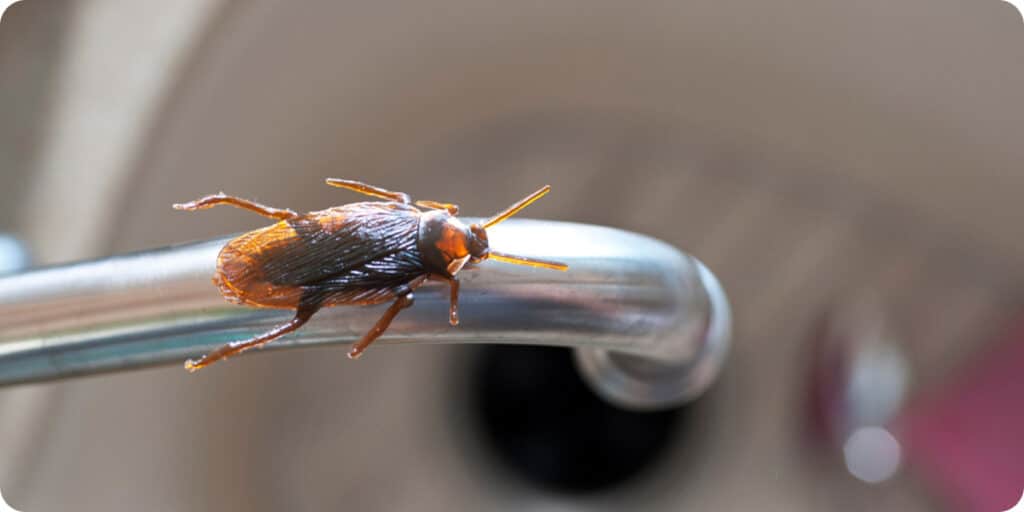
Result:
x=967 y=438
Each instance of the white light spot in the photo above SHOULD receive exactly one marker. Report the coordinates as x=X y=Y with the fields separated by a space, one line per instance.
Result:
x=1019 y=4
x=4 y=507
x=13 y=256
x=1019 y=507
x=872 y=454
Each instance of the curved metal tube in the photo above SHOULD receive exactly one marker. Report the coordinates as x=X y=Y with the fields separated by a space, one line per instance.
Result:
x=650 y=324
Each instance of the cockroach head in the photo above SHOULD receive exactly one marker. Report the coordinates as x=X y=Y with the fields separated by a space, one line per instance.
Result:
x=446 y=244
x=479 y=248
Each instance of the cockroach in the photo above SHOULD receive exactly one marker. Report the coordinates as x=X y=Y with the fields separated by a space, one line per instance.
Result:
x=356 y=254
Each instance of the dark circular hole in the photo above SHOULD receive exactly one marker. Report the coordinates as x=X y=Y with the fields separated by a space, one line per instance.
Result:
x=544 y=423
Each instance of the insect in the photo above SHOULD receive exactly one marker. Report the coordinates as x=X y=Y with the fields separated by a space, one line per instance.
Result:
x=356 y=254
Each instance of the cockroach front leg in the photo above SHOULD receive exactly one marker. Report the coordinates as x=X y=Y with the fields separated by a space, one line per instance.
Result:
x=405 y=300
x=245 y=204
x=302 y=316
x=453 y=307
x=370 y=190
x=453 y=288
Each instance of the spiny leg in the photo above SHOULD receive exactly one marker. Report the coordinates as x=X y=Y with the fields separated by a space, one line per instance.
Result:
x=370 y=190
x=302 y=315
x=453 y=308
x=453 y=288
x=453 y=209
x=382 y=325
x=222 y=198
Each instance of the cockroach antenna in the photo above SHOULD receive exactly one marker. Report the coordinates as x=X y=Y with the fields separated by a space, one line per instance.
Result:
x=510 y=211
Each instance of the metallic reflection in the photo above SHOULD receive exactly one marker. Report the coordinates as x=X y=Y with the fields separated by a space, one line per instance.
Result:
x=624 y=295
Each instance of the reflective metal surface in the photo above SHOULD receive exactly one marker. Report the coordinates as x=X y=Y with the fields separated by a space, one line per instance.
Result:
x=634 y=306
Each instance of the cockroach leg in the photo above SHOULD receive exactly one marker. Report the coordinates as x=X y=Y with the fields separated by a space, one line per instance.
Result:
x=453 y=308
x=370 y=190
x=222 y=198
x=453 y=209
x=302 y=315
x=382 y=325
x=453 y=288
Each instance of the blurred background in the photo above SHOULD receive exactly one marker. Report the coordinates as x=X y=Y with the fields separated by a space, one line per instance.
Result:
x=852 y=173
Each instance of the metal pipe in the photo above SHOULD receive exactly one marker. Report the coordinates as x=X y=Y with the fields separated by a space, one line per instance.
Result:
x=649 y=323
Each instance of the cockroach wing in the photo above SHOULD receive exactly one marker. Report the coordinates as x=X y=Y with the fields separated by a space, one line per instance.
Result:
x=359 y=253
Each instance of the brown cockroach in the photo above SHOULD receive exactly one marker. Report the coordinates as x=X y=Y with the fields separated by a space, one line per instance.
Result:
x=356 y=254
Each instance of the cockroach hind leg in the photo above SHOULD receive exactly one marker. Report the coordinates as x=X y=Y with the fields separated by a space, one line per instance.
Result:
x=223 y=199
x=234 y=348
x=370 y=190
x=382 y=325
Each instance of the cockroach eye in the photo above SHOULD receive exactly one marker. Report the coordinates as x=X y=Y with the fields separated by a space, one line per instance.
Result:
x=478 y=244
